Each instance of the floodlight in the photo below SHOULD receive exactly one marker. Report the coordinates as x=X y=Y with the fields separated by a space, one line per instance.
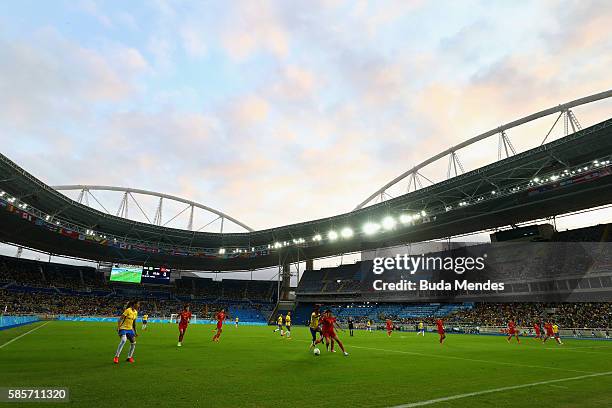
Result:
x=371 y=228
x=389 y=223
x=332 y=235
x=405 y=219
x=346 y=232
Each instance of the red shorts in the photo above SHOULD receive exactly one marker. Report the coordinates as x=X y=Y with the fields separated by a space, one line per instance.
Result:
x=389 y=328
x=182 y=327
x=511 y=331
x=441 y=332
x=328 y=333
x=219 y=325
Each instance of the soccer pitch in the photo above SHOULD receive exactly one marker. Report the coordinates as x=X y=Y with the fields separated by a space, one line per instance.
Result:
x=253 y=367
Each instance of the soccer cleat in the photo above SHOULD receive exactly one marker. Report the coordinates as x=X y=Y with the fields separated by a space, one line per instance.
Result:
x=345 y=354
x=130 y=359
x=116 y=360
x=179 y=344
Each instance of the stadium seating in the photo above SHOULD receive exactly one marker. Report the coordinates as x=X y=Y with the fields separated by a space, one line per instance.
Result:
x=28 y=286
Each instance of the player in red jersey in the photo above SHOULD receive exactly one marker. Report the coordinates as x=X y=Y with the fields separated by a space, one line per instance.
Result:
x=389 y=324
x=185 y=317
x=549 y=331
x=536 y=327
x=441 y=332
x=220 y=317
x=512 y=331
x=328 y=322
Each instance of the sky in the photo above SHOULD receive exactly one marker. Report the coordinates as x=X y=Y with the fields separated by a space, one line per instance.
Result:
x=278 y=112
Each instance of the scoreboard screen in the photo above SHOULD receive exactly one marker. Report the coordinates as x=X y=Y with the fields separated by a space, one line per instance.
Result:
x=156 y=274
x=126 y=273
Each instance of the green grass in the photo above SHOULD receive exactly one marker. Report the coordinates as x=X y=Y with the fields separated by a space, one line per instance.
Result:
x=252 y=367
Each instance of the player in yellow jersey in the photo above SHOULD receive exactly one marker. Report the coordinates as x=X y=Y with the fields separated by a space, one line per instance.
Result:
x=369 y=325
x=145 y=318
x=236 y=322
x=555 y=329
x=279 y=324
x=421 y=329
x=315 y=316
x=126 y=328
x=288 y=325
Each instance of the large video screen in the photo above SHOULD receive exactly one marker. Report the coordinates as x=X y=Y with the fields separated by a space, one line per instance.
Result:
x=130 y=274
x=156 y=275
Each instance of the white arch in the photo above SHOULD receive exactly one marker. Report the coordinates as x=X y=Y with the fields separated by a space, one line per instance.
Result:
x=450 y=151
x=88 y=187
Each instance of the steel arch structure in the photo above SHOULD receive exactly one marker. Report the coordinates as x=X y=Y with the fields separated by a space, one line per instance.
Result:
x=122 y=211
x=505 y=146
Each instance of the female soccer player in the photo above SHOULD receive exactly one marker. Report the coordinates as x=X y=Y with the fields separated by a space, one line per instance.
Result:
x=279 y=324
x=145 y=318
x=513 y=332
x=314 y=325
x=421 y=329
x=328 y=322
x=536 y=327
x=548 y=328
x=185 y=317
x=555 y=329
x=288 y=325
x=220 y=317
x=441 y=331
x=389 y=325
x=126 y=328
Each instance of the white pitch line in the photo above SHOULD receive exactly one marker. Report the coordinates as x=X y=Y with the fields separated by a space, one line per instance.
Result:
x=494 y=390
x=21 y=335
x=414 y=353
x=471 y=359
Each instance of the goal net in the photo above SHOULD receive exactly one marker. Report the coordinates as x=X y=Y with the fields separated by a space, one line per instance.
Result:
x=174 y=317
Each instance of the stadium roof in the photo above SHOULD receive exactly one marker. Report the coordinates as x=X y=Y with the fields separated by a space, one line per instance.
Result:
x=568 y=174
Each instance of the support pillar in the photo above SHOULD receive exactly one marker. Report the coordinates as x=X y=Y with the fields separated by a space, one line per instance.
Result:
x=285 y=281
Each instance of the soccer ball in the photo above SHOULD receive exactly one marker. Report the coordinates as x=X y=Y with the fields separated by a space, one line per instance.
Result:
x=316 y=351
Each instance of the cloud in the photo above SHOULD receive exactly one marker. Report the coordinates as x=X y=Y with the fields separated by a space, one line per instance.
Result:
x=252 y=27
x=48 y=75
x=281 y=112
x=193 y=42
x=92 y=9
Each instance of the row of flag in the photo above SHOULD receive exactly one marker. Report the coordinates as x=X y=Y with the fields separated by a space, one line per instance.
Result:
x=100 y=240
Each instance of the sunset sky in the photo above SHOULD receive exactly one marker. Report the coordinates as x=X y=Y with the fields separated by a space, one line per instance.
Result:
x=283 y=111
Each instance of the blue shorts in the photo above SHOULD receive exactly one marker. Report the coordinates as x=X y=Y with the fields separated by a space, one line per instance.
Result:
x=128 y=333
x=144 y=322
x=313 y=333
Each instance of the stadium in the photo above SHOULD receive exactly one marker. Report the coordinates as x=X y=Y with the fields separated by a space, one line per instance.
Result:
x=459 y=282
